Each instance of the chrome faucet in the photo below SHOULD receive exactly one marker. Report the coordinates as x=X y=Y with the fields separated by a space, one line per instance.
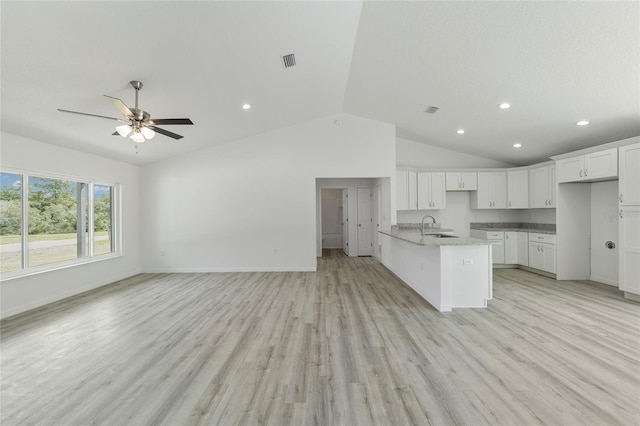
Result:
x=423 y=218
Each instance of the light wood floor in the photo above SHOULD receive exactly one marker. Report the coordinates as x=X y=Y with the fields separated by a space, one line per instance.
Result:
x=348 y=345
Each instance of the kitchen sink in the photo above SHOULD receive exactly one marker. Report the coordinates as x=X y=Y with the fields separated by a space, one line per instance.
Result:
x=441 y=236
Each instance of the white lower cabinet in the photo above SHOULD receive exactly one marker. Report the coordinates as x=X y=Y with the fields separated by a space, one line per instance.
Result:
x=511 y=248
x=497 y=238
x=523 y=248
x=629 y=257
x=542 y=252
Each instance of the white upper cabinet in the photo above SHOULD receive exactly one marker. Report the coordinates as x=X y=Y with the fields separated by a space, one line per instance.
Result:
x=595 y=166
x=492 y=191
x=431 y=191
x=518 y=189
x=542 y=187
x=462 y=181
x=629 y=183
x=406 y=190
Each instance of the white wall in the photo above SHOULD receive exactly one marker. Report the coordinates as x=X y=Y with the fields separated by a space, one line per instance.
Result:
x=604 y=227
x=24 y=293
x=420 y=156
x=252 y=204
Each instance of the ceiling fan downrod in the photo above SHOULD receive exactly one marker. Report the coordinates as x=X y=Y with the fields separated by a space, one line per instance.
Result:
x=137 y=85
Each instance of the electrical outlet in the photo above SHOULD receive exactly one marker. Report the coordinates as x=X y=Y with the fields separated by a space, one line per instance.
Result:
x=467 y=261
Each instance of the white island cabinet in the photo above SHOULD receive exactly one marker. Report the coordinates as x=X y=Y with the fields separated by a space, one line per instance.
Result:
x=447 y=272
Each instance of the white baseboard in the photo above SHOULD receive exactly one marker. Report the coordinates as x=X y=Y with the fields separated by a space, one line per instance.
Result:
x=604 y=281
x=240 y=269
x=58 y=297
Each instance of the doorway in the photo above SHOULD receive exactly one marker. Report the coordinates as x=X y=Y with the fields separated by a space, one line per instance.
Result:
x=334 y=214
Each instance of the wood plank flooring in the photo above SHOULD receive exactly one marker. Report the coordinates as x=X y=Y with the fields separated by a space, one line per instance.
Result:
x=348 y=345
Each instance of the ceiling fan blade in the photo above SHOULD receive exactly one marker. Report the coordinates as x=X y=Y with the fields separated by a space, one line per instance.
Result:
x=91 y=115
x=165 y=132
x=120 y=105
x=165 y=121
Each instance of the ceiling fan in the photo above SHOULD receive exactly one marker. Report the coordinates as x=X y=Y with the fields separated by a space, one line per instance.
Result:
x=138 y=123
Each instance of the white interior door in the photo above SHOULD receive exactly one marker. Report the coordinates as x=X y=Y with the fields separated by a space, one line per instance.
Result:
x=365 y=222
x=345 y=221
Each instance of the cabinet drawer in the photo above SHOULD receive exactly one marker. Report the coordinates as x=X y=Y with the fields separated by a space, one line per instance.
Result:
x=542 y=238
x=487 y=235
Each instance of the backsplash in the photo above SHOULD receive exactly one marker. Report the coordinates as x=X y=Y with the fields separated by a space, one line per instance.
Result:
x=549 y=227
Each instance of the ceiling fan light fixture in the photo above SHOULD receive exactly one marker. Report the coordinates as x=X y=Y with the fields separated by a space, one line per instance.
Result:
x=123 y=130
x=137 y=136
x=148 y=133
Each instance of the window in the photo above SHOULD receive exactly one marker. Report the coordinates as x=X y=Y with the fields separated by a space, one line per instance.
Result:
x=10 y=222
x=102 y=219
x=47 y=222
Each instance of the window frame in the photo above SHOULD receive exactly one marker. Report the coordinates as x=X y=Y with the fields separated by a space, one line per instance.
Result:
x=91 y=257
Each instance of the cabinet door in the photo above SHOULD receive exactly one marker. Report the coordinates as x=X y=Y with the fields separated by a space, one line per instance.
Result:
x=601 y=164
x=454 y=182
x=518 y=189
x=523 y=248
x=413 y=191
x=424 y=191
x=548 y=258
x=469 y=181
x=402 y=190
x=535 y=256
x=482 y=196
x=553 y=186
x=497 y=250
x=511 y=248
x=539 y=187
x=499 y=190
x=571 y=169
x=629 y=183
x=438 y=194
x=629 y=255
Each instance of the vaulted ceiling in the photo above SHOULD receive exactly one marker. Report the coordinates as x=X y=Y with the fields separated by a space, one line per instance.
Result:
x=555 y=62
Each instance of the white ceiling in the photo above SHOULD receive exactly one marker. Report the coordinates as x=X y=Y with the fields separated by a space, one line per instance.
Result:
x=556 y=62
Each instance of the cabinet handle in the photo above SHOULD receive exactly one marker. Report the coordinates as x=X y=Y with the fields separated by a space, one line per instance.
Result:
x=463 y=184
x=621 y=215
x=509 y=203
x=585 y=171
x=620 y=197
x=580 y=173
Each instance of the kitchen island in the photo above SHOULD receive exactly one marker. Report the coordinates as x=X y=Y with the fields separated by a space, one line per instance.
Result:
x=448 y=272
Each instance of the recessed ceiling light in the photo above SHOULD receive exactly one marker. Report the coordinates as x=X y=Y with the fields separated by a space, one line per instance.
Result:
x=582 y=123
x=504 y=105
x=460 y=131
x=517 y=145
x=246 y=106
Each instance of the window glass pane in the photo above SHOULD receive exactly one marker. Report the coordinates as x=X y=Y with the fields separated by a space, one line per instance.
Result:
x=102 y=219
x=10 y=222
x=57 y=220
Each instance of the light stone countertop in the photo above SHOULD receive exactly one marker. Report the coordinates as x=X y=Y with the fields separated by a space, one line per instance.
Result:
x=415 y=237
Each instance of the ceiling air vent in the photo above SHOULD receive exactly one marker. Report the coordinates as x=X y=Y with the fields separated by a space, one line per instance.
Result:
x=431 y=109
x=288 y=61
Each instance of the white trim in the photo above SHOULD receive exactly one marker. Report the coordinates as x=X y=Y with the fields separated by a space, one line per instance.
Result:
x=238 y=269
x=603 y=281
